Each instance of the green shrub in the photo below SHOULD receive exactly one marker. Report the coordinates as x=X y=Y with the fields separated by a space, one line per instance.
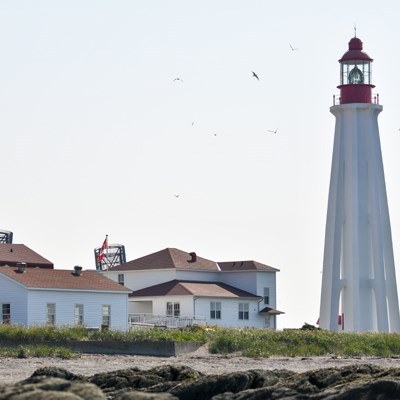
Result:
x=246 y=342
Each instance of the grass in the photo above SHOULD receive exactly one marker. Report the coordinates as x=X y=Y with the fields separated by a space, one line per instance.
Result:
x=245 y=342
x=291 y=343
x=37 y=350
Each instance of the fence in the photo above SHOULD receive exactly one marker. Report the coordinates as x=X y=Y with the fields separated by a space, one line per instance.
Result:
x=152 y=320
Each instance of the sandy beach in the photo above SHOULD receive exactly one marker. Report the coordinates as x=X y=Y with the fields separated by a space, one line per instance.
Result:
x=15 y=369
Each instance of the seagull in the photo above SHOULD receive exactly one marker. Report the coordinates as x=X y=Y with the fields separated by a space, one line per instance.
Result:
x=176 y=195
x=275 y=131
x=215 y=134
x=293 y=48
x=255 y=75
x=192 y=123
x=177 y=79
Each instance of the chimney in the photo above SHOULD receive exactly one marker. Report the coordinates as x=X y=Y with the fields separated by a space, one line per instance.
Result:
x=78 y=270
x=194 y=256
x=21 y=267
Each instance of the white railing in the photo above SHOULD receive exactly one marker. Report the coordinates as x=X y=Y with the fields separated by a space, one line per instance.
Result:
x=146 y=319
x=337 y=99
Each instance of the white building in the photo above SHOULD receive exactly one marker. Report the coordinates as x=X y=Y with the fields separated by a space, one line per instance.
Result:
x=36 y=296
x=175 y=283
x=359 y=280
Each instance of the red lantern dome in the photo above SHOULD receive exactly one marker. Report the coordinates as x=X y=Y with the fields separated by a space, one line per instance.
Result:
x=355 y=74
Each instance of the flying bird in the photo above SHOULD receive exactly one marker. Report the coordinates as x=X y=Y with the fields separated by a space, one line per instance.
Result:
x=275 y=131
x=255 y=75
x=293 y=48
x=177 y=79
x=176 y=195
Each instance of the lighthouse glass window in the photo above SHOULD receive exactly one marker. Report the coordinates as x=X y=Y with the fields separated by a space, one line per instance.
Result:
x=355 y=72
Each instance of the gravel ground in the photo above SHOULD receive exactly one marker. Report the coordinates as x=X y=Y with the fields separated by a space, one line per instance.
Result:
x=15 y=369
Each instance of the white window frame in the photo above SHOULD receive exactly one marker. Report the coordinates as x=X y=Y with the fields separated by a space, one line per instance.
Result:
x=267 y=297
x=105 y=316
x=6 y=313
x=78 y=314
x=215 y=310
x=51 y=313
x=243 y=311
x=173 y=309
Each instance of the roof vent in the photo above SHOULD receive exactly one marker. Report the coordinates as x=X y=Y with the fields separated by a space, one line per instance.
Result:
x=21 y=267
x=194 y=256
x=78 y=270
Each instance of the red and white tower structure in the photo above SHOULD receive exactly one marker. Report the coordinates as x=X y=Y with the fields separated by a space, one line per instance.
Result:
x=358 y=279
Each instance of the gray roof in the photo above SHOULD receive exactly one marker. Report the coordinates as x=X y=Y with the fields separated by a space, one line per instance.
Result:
x=193 y=288
x=168 y=258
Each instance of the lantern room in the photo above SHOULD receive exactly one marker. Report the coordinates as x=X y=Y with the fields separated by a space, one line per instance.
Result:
x=355 y=74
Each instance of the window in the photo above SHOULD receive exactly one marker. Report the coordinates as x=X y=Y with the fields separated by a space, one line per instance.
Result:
x=266 y=295
x=106 y=317
x=177 y=310
x=78 y=314
x=215 y=310
x=173 y=309
x=121 y=279
x=6 y=313
x=243 y=310
x=51 y=313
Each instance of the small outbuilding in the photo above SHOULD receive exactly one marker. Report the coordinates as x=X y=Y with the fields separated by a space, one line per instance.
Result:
x=37 y=296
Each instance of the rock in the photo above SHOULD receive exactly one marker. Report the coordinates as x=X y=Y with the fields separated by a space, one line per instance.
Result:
x=364 y=382
x=56 y=372
x=155 y=380
x=135 y=395
x=49 y=388
x=209 y=386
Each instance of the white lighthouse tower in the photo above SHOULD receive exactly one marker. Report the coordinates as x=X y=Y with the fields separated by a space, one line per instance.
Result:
x=359 y=291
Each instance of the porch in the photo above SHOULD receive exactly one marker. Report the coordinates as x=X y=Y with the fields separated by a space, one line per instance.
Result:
x=151 y=320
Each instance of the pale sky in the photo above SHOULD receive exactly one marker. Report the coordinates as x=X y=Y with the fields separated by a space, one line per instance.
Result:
x=97 y=138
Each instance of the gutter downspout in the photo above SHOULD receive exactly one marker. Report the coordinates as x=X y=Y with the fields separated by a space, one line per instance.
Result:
x=258 y=304
x=194 y=307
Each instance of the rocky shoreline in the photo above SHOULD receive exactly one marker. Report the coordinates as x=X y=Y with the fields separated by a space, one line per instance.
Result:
x=169 y=382
x=13 y=370
x=199 y=375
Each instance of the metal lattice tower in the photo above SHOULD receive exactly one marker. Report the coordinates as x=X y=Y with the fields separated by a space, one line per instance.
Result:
x=114 y=255
x=6 y=236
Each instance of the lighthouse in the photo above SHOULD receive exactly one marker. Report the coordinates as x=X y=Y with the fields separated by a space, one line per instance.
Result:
x=359 y=291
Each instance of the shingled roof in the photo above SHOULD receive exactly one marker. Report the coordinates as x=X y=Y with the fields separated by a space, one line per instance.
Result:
x=169 y=258
x=11 y=254
x=192 y=288
x=245 y=266
x=62 y=279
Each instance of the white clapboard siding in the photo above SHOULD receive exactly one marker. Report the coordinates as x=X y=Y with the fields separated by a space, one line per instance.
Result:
x=267 y=280
x=198 y=276
x=230 y=313
x=245 y=280
x=65 y=301
x=191 y=306
x=16 y=295
x=136 y=280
